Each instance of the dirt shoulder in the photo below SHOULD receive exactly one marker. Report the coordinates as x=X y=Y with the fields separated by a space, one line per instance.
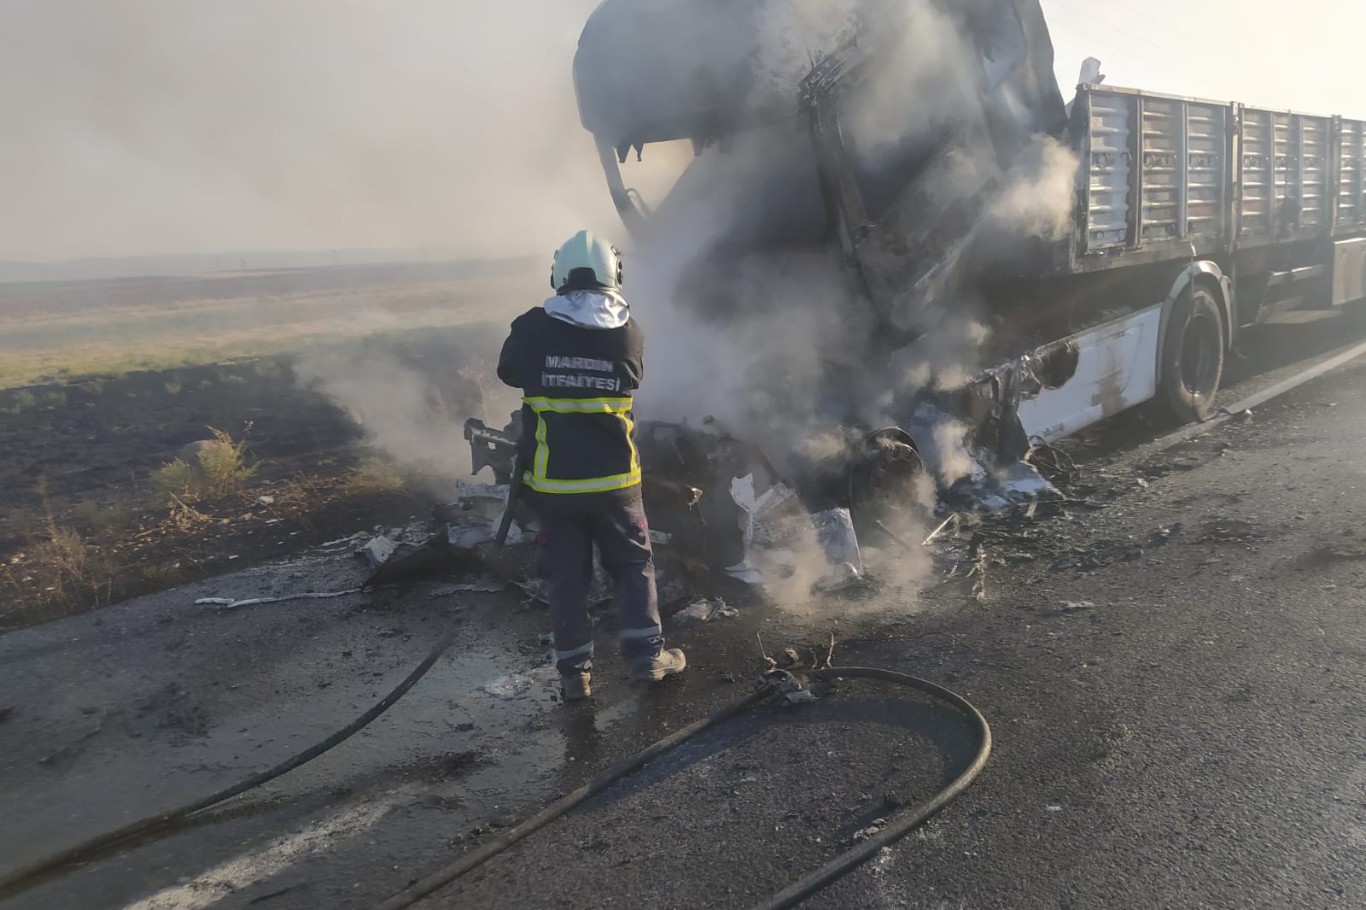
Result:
x=83 y=523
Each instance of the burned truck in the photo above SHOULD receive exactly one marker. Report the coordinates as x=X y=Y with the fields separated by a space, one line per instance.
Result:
x=1114 y=247
x=1007 y=266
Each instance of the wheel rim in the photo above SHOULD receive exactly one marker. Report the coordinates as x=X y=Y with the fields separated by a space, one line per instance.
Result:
x=1199 y=362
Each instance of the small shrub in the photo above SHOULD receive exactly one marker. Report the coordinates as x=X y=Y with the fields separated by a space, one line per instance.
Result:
x=301 y=495
x=75 y=564
x=176 y=479
x=60 y=574
x=219 y=470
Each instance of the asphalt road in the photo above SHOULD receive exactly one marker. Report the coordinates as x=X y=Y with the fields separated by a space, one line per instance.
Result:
x=1175 y=675
x=1177 y=683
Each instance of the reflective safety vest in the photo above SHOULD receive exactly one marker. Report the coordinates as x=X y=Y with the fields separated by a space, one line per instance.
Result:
x=576 y=384
x=568 y=428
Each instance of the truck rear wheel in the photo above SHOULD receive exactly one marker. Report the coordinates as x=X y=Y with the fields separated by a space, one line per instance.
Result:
x=1192 y=357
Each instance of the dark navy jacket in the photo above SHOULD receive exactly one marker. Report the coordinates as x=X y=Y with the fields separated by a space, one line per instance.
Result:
x=576 y=382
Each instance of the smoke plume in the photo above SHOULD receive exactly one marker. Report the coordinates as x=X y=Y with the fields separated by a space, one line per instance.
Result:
x=752 y=317
x=1037 y=199
x=410 y=408
x=737 y=272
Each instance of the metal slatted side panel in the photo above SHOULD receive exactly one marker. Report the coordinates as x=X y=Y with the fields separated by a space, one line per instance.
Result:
x=1286 y=168
x=1351 y=211
x=1163 y=171
x=1258 y=186
x=1313 y=147
x=1107 y=196
x=1206 y=176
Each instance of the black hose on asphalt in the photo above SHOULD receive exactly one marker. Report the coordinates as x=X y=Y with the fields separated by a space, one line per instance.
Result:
x=449 y=873
x=903 y=823
x=26 y=877
x=897 y=827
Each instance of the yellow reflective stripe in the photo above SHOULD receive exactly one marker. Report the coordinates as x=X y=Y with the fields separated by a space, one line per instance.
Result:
x=631 y=441
x=541 y=462
x=579 y=405
x=588 y=485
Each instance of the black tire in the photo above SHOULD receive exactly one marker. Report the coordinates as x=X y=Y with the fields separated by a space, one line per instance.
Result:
x=1192 y=358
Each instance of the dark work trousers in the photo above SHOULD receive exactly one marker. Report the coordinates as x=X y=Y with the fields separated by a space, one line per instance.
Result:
x=570 y=524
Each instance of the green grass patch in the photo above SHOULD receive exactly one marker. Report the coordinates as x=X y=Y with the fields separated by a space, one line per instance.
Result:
x=219 y=468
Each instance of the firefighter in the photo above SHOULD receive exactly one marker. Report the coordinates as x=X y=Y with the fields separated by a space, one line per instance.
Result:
x=577 y=359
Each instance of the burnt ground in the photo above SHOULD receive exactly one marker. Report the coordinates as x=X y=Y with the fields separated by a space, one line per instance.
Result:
x=80 y=456
x=1173 y=671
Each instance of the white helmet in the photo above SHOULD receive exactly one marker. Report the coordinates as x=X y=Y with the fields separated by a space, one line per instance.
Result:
x=589 y=252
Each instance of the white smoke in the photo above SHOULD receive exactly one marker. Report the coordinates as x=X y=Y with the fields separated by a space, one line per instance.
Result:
x=788 y=315
x=413 y=414
x=1039 y=192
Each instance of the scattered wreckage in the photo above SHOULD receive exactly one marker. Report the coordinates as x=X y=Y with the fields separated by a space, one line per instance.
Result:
x=718 y=506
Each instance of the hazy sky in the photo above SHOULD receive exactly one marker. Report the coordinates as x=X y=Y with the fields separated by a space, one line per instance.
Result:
x=160 y=126
x=1300 y=54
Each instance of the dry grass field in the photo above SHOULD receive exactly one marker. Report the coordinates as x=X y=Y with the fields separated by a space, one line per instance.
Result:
x=101 y=382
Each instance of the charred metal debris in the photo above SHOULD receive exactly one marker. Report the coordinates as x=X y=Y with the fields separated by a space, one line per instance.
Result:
x=721 y=511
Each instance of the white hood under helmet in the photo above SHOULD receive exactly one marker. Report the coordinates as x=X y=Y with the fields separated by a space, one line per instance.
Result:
x=593 y=308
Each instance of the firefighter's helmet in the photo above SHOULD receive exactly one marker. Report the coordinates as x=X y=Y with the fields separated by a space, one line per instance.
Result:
x=585 y=261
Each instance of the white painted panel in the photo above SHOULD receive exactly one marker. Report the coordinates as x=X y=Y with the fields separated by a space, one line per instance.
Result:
x=1116 y=369
x=1349 y=271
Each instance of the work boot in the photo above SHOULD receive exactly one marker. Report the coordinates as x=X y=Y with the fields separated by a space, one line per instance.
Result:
x=666 y=663
x=576 y=687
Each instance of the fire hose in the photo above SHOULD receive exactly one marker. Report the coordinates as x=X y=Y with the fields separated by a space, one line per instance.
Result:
x=28 y=876
x=775 y=682
x=897 y=827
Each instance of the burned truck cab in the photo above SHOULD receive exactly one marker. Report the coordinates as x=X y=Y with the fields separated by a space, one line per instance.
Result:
x=880 y=132
x=883 y=124
x=913 y=149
